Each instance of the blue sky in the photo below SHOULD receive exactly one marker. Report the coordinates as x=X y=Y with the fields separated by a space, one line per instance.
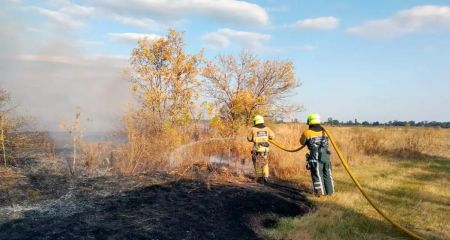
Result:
x=370 y=60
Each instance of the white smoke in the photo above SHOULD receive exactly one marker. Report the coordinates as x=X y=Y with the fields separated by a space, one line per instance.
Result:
x=49 y=74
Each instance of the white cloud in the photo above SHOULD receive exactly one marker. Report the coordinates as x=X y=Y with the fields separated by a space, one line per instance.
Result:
x=320 y=23
x=90 y=43
x=222 y=38
x=73 y=15
x=163 y=12
x=428 y=17
x=77 y=10
x=82 y=60
x=138 y=22
x=216 y=40
x=67 y=13
x=230 y=11
x=58 y=17
x=131 y=37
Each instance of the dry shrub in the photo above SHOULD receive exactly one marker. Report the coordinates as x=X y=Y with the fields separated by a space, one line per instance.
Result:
x=97 y=157
x=215 y=154
x=416 y=142
x=30 y=145
x=23 y=147
x=19 y=137
x=148 y=150
x=145 y=153
x=367 y=141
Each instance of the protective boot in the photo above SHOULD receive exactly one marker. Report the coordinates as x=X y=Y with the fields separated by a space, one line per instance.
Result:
x=260 y=163
x=266 y=171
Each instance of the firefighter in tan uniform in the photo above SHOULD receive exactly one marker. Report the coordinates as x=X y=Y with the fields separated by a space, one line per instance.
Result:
x=260 y=135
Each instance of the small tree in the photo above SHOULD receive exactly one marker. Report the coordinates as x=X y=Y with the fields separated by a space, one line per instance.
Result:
x=245 y=85
x=76 y=132
x=164 y=81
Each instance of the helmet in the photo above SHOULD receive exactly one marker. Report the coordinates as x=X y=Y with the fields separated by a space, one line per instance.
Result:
x=313 y=118
x=258 y=119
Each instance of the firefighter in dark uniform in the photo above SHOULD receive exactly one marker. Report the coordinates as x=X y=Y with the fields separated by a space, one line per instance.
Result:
x=259 y=134
x=318 y=158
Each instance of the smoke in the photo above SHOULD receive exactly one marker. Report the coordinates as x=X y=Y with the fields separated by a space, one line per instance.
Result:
x=49 y=74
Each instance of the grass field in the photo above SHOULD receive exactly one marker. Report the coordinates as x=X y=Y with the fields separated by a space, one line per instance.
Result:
x=410 y=186
x=405 y=170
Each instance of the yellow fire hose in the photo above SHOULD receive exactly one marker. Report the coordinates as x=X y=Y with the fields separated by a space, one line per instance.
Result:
x=285 y=149
x=358 y=185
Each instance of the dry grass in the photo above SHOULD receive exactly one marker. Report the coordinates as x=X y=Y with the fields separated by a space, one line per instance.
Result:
x=179 y=149
x=413 y=192
x=358 y=143
x=405 y=170
x=97 y=157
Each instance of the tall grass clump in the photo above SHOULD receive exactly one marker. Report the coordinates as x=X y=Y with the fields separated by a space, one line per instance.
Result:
x=97 y=157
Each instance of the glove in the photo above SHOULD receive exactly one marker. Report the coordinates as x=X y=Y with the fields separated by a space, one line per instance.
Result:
x=308 y=167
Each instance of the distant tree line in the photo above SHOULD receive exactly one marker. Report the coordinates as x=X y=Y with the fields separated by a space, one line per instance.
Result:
x=335 y=122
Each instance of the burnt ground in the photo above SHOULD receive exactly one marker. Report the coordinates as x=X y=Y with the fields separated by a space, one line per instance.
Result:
x=150 y=206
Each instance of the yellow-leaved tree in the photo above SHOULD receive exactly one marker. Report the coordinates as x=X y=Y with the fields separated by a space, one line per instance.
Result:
x=243 y=86
x=165 y=81
x=165 y=84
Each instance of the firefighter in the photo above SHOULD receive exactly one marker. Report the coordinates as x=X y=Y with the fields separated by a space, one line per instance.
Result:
x=318 y=158
x=259 y=134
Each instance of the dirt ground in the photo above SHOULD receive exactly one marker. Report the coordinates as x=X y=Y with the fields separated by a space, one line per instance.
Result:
x=150 y=206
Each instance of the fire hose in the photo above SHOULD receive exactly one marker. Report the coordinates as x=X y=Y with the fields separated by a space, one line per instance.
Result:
x=358 y=185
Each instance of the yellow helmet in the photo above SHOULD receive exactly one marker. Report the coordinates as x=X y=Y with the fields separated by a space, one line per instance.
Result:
x=313 y=118
x=258 y=119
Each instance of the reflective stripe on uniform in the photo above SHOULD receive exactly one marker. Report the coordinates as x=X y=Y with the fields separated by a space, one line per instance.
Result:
x=265 y=171
x=320 y=179
x=331 y=178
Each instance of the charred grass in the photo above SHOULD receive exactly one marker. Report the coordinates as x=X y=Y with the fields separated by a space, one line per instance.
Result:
x=146 y=206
